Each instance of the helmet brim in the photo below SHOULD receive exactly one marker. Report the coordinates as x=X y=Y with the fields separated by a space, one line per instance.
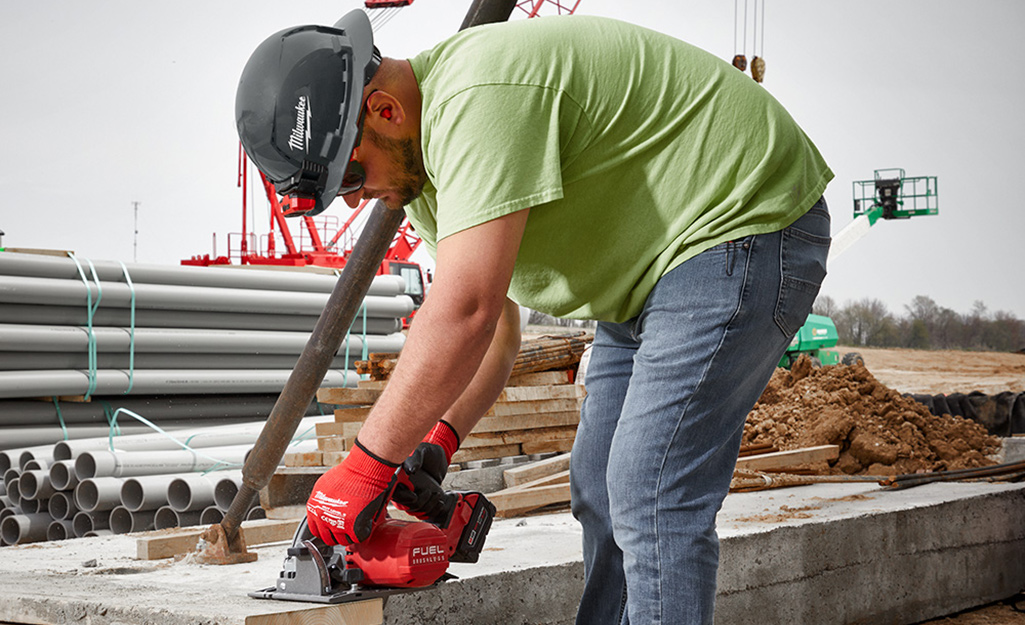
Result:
x=298 y=105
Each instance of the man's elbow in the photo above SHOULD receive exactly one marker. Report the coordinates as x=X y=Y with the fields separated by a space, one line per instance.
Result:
x=508 y=334
x=474 y=315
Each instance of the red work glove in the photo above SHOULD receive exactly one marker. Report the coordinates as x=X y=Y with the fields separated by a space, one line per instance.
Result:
x=419 y=489
x=350 y=499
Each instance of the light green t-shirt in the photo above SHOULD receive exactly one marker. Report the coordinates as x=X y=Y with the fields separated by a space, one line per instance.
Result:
x=634 y=151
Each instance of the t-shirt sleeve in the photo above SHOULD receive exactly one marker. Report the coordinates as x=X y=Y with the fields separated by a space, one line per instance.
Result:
x=493 y=150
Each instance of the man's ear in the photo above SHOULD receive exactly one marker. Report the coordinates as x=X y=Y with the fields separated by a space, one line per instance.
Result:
x=387 y=107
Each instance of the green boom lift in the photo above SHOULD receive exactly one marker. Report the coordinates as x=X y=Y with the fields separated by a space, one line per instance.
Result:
x=889 y=195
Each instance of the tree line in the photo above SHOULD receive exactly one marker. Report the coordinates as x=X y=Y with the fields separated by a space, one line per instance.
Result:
x=924 y=325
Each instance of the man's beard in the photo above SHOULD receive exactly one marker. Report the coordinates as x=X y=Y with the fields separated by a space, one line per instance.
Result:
x=407 y=159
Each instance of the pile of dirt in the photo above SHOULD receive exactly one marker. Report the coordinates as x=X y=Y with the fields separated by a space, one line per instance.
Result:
x=879 y=431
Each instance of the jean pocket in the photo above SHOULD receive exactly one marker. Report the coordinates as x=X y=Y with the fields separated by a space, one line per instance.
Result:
x=804 y=246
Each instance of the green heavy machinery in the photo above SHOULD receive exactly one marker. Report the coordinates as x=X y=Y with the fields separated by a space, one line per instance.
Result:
x=815 y=338
x=889 y=195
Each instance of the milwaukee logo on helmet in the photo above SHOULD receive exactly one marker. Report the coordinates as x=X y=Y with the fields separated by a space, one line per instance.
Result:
x=300 y=137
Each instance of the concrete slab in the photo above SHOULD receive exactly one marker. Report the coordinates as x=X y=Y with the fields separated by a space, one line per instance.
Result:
x=1014 y=449
x=823 y=554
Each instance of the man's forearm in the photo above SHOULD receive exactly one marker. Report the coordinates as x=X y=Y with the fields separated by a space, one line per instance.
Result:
x=452 y=336
x=437 y=363
x=491 y=376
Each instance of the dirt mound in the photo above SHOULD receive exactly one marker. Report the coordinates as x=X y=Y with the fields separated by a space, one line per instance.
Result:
x=879 y=431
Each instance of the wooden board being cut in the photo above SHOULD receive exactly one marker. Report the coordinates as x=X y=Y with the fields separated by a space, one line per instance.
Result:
x=358 y=613
x=169 y=543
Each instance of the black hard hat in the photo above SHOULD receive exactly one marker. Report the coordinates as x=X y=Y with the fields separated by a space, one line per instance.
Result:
x=298 y=104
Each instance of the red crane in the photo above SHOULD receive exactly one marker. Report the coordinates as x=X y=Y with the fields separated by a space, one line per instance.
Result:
x=320 y=241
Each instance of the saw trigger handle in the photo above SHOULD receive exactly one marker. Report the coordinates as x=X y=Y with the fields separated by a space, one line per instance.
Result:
x=419 y=490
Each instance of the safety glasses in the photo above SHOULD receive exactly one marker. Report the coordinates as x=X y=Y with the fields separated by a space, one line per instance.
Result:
x=355 y=175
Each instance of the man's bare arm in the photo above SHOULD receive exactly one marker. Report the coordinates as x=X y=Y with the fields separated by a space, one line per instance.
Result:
x=448 y=342
x=491 y=376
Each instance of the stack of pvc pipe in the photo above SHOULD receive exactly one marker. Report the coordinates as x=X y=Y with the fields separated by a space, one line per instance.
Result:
x=118 y=333
x=148 y=481
x=29 y=423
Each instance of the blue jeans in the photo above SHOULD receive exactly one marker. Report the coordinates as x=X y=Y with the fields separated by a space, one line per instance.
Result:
x=660 y=429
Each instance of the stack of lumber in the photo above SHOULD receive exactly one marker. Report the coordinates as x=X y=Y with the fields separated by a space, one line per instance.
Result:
x=541 y=354
x=536 y=413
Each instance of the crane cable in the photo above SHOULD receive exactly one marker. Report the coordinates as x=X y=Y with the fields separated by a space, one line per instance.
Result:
x=380 y=17
x=740 y=51
x=758 y=62
x=739 y=59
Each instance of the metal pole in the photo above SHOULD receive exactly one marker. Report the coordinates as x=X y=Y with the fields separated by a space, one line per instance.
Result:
x=224 y=544
x=487 y=12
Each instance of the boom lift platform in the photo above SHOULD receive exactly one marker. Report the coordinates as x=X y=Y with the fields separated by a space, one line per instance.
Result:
x=889 y=195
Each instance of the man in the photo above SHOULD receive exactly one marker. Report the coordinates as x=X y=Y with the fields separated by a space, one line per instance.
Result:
x=589 y=169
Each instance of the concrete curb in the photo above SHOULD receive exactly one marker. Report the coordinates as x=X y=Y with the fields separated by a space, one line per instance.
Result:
x=828 y=554
x=818 y=555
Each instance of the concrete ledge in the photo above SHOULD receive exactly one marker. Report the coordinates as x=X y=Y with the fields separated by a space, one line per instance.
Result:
x=1014 y=449
x=814 y=555
x=942 y=549
x=818 y=555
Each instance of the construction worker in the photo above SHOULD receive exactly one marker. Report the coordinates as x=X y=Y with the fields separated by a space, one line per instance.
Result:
x=588 y=169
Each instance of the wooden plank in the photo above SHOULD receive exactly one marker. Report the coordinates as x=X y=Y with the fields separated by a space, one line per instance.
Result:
x=543 y=378
x=484 y=439
x=542 y=406
x=166 y=544
x=332 y=443
x=536 y=393
x=334 y=428
x=347 y=396
x=484 y=453
x=780 y=459
x=369 y=612
x=350 y=430
x=304 y=459
x=351 y=415
x=289 y=486
x=376 y=385
x=522 y=422
x=332 y=458
x=536 y=470
x=562 y=477
x=511 y=502
x=286 y=512
x=542 y=435
x=542 y=447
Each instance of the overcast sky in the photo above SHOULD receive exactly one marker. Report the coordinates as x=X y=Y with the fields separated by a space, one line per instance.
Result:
x=107 y=103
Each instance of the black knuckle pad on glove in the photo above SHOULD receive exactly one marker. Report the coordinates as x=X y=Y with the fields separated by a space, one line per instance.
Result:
x=430 y=458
